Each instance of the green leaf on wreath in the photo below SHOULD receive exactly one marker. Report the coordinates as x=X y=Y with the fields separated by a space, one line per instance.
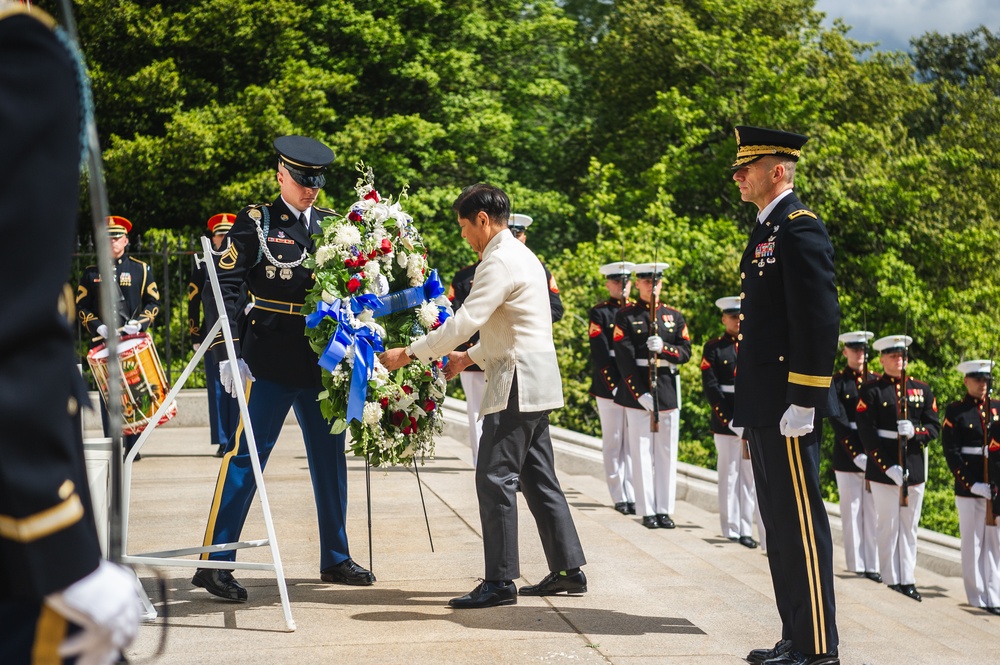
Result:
x=339 y=426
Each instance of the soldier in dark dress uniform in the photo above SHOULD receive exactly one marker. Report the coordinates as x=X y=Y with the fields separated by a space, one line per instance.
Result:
x=737 y=495
x=52 y=570
x=639 y=344
x=964 y=445
x=473 y=383
x=604 y=383
x=890 y=413
x=788 y=339
x=276 y=358
x=137 y=308
x=857 y=507
x=223 y=410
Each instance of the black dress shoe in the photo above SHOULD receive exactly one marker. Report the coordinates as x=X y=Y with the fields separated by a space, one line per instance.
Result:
x=993 y=610
x=487 y=594
x=874 y=576
x=747 y=541
x=220 y=450
x=622 y=507
x=665 y=521
x=758 y=656
x=895 y=587
x=631 y=508
x=651 y=522
x=347 y=572
x=793 y=657
x=573 y=584
x=910 y=591
x=220 y=583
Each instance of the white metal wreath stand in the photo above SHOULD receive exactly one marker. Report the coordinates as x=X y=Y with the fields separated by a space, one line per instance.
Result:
x=166 y=557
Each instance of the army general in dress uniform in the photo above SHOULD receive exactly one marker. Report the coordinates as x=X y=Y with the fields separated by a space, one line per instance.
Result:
x=964 y=444
x=788 y=338
x=269 y=243
x=605 y=382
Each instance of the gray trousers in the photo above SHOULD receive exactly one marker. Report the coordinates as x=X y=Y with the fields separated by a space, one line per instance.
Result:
x=516 y=452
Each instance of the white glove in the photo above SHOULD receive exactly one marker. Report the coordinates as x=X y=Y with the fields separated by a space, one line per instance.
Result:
x=102 y=330
x=981 y=489
x=738 y=431
x=197 y=345
x=654 y=343
x=905 y=429
x=646 y=401
x=797 y=421
x=861 y=461
x=105 y=605
x=895 y=473
x=131 y=328
x=227 y=378
x=614 y=391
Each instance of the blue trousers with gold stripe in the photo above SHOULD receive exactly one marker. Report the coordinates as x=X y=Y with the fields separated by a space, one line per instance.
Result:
x=268 y=404
x=32 y=633
x=799 y=544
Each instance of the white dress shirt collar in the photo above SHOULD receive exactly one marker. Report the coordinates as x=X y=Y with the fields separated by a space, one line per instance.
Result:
x=769 y=208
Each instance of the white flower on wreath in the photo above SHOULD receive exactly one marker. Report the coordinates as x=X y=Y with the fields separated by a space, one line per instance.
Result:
x=324 y=254
x=402 y=258
x=346 y=235
x=380 y=373
x=427 y=315
x=372 y=415
x=328 y=297
x=415 y=269
x=382 y=286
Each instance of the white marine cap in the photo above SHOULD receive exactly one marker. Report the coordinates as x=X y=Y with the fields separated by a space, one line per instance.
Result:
x=856 y=338
x=972 y=367
x=729 y=304
x=648 y=270
x=892 y=343
x=517 y=219
x=617 y=269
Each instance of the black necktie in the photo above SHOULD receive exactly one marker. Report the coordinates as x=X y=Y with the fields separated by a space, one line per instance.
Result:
x=305 y=222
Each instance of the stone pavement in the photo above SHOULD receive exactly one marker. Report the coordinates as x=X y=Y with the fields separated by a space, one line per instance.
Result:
x=684 y=596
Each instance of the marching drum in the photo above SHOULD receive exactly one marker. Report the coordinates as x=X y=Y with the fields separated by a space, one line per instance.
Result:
x=144 y=385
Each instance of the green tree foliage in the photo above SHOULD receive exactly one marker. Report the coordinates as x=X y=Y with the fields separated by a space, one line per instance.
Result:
x=610 y=123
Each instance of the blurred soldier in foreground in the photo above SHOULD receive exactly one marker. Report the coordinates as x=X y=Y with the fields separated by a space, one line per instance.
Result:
x=473 y=381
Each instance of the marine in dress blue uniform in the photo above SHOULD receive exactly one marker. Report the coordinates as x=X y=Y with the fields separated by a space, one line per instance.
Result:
x=268 y=244
x=605 y=380
x=137 y=308
x=642 y=340
x=857 y=506
x=223 y=410
x=788 y=338
x=887 y=412
x=964 y=445
x=737 y=494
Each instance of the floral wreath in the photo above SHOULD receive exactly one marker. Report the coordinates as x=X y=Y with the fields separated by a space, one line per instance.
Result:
x=373 y=291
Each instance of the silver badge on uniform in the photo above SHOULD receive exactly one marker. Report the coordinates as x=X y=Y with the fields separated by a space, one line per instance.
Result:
x=286 y=273
x=269 y=271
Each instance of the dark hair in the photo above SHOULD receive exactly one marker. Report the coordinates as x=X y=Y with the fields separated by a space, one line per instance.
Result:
x=491 y=200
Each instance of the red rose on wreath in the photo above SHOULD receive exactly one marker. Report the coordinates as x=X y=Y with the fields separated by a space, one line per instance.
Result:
x=372 y=196
x=354 y=216
x=429 y=405
x=353 y=285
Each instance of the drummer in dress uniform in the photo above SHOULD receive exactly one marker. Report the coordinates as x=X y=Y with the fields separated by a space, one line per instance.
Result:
x=788 y=338
x=857 y=507
x=890 y=413
x=642 y=341
x=964 y=445
x=223 y=410
x=518 y=224
x=276 y=366
x=737 y=495
x=473 y=380
x=605 y=381
x=138 y=304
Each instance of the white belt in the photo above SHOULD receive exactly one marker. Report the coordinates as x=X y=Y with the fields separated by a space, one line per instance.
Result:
x=728 y=389
x=644 y=362
x=853 y=425
x=612 y=353
x=887 y=433
x=971 y=450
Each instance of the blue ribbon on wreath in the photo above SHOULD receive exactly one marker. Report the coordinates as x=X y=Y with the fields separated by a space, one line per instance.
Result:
x=407 y=298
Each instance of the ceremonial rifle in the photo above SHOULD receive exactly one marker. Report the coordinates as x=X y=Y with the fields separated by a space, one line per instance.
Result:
x=903 y=413
x=990 y=517
x=654 y=358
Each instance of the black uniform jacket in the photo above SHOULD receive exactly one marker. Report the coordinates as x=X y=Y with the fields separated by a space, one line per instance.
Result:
x=878 y=410
x=718 y=377
x=47 y=535
x=140 y=299
x=846 y=440
x=790 y=317
x=461 y=285
x=632 y=329
x=963 y=428
x=273 y=342
x=197 y=284
x=605 y=376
